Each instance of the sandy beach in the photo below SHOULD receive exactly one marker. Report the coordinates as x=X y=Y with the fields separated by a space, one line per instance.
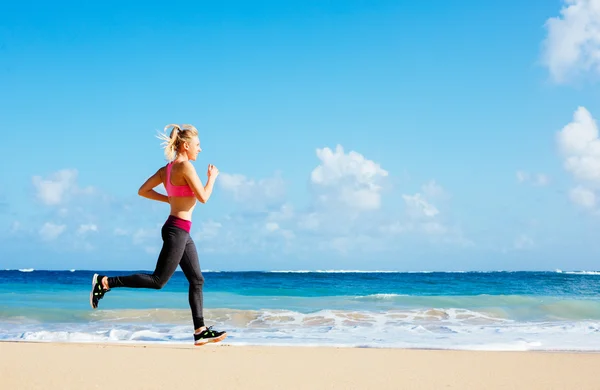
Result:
x=34 y=365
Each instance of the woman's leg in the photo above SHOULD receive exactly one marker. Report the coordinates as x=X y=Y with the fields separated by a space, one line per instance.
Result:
x=191 y=268
x=174 y=244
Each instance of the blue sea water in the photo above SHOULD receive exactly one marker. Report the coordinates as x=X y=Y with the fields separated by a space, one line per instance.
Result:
x=443 y=310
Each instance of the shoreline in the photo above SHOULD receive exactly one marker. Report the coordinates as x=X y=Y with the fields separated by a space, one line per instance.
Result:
x=76 y=365
x=186 y=344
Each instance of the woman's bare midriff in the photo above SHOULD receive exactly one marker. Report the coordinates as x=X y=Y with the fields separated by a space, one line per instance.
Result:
x=181 y=207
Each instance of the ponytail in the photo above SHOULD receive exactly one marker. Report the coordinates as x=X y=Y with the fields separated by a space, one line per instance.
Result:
x=178 y=135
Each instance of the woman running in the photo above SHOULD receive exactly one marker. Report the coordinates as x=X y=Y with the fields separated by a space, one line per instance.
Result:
x=183 y=188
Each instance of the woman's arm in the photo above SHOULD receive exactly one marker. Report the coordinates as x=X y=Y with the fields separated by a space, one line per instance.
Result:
x=191 y=177
x=147 y=189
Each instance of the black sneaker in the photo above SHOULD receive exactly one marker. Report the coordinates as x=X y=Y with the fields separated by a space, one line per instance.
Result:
x=98 y=291
x=208 y=336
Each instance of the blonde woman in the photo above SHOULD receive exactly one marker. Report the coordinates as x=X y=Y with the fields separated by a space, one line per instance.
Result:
x=183 y=188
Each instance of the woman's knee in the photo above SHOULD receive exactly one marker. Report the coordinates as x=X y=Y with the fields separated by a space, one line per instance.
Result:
x=198 y=280
x=159 y=282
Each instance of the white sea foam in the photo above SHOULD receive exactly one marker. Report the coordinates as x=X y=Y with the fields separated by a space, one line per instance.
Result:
x=342 y=333
x=26 y=269
x=583 y=272
x=419 y=328
x=380 y=296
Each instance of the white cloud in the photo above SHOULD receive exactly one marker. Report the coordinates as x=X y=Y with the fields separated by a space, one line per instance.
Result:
x=51 y=231
x=425 y=219
x=421 y=204
x=243 y=233
x=583 y=197
x=579 y=146
x=56 y=189
x=342 y=184
x=274 y=227
x=87 y=228
x=246 y=190
x=578 y=141
x=208 y=230
x=417 y=206
x=225 y=236
x=349 y=179
x=146 y=239
x=285 y=213
x=52 y=191
x=572 y=46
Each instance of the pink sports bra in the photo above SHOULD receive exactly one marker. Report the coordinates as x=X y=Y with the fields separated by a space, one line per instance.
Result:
x=173 y=190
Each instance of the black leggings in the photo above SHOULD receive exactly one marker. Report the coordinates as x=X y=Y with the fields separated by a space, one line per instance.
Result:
x=178 y=249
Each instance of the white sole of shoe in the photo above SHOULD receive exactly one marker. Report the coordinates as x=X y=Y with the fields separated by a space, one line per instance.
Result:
x=94 y=279
x=215 y=340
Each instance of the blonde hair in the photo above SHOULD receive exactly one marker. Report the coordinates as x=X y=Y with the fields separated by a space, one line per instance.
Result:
x=178 y=136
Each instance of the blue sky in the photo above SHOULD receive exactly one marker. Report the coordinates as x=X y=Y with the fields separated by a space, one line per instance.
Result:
x=349 y=134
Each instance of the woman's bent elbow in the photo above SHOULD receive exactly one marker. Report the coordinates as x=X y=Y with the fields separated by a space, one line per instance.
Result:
x=201 y=199
x=143 y=193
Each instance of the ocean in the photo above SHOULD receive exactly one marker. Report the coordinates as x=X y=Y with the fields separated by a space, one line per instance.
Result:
x=510 y=311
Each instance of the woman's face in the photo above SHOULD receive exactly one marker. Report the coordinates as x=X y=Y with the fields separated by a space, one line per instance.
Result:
x=192 y=148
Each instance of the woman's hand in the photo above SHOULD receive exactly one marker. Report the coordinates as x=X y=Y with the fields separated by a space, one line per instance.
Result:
x=213 y=172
